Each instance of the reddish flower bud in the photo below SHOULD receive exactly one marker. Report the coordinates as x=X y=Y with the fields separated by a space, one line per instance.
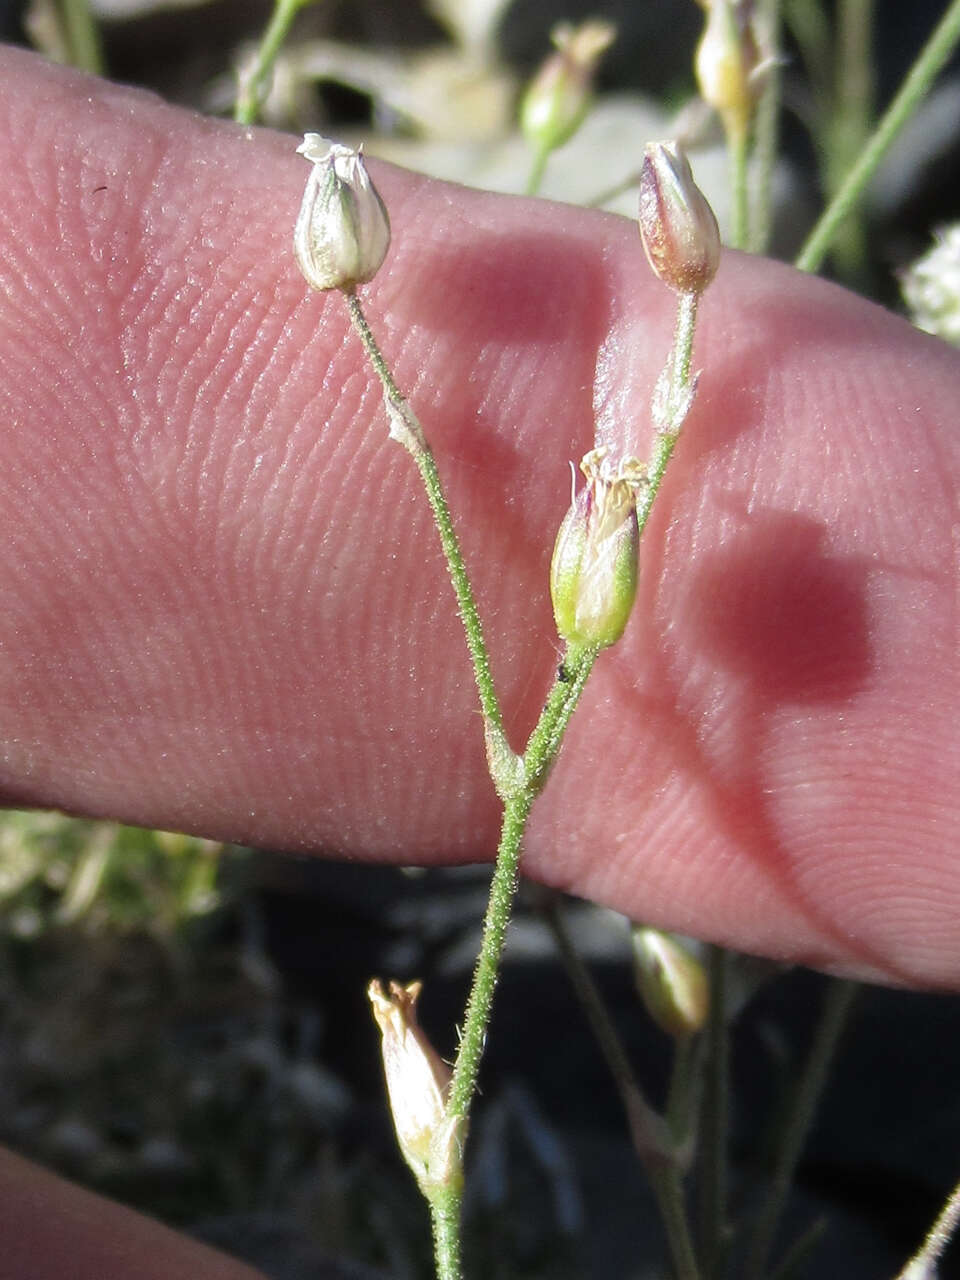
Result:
x=678 y=228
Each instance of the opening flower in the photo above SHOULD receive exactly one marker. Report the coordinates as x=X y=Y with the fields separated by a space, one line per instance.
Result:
x=593 y=574
x=343 y=231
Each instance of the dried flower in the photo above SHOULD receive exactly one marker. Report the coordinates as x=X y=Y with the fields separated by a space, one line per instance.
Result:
x=558 y=96
x=671 y=981
x=417 y=1084
x=593 y=574
x=678 y=228
x=342 y=232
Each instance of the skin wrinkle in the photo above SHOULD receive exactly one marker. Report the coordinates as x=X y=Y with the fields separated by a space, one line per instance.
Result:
x=766 y=621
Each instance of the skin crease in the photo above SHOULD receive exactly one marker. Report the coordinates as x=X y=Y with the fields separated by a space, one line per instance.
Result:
x=222 y=607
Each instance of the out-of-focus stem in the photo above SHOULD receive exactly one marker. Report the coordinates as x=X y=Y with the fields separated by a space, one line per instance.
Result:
x=254 y=78
x=914 y=89
x=836 y=1008
x=766 y=136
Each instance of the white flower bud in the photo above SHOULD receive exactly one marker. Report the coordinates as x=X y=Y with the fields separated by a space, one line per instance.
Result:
x=343 y=232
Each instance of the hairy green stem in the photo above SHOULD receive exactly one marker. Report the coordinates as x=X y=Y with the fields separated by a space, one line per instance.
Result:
x=921 y=1265
x=914 y=89
x=542 y=747
x=424 y=459
x=679 y=367
x=253 y=80
x=445 y=1218
x=836 y=1008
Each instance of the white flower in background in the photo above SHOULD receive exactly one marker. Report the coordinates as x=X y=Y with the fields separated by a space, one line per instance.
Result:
x=343 y=231
x=931 y=287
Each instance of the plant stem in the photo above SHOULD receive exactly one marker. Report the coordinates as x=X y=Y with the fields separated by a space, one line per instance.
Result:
x=651 y=1137
x=738 y=145
x=647 y=1129
x=82 y=36
x=544 y=742
x=714 y=1122
x=678 y=365
x=810 y=28
x=542 y=748
x=848 y=127
x=253 y=79
x=669 y=1192
x=915 y=87
x=445 y=1218
x=537 y=169
x=766 y=131
x=502 y=890
x=836 y=1007
x=682 y=1096
x=424 y=459
x=788 y=1268
x=922 y=1266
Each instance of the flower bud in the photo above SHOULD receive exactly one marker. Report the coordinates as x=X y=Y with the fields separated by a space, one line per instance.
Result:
x=342 y=232
x=593 y=574
x=558 y=97
x=671 y=981
x=726 y=63
x=678 y=228
x=417 y=1084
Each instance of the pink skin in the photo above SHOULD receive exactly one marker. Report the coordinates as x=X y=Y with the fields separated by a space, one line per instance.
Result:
x=222 y=605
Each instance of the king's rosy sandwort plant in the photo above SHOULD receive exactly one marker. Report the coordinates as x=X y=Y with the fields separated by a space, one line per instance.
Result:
x=341 y=239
